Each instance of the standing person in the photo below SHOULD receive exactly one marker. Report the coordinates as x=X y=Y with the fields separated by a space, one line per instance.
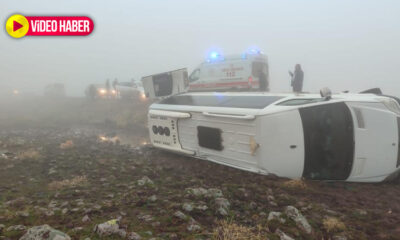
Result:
x=297 y=78
x=108 y=92
x=262 y=81
x=91 y=92
x=114 y=84
x=108 y=85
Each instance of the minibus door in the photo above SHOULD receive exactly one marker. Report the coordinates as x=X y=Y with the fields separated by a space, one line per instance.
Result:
x=165 y=84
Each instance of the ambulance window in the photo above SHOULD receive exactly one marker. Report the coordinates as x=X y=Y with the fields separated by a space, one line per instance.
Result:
x=195 y=75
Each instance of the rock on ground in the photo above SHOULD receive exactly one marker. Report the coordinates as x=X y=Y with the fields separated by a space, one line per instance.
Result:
x=276 y=216
x=109 y=228
x=86 y=218
x=202 y=192
x=134 y=236
x=339 y=237
x=197 y=192
x=146 y=218
x=294 y=214
x=187 y=207
x=214 y=193
x=180 y=215
x=145 y=181
x=153 y=198
x=282 y=235
x=16 y=228
x=44 y=232
x=202 y=207
x=22 y=214
x=193 y=226
x=222 y=205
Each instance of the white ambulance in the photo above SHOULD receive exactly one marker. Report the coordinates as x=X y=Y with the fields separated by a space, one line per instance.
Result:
x=248 y=71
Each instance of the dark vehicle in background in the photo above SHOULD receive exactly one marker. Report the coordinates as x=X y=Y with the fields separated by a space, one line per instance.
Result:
x=99 y=91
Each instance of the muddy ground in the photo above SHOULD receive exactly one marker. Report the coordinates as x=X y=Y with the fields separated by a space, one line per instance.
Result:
x=73 y=164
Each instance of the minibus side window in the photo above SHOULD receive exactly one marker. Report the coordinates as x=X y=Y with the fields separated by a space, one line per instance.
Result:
x=195 y=75
x=162 y=85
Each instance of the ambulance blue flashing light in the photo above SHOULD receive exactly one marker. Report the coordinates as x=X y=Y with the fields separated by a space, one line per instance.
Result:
x=214 y=57
x=253 y=51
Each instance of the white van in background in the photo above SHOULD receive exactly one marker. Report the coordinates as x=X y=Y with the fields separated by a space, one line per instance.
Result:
x=131 y=90
x=248 y=71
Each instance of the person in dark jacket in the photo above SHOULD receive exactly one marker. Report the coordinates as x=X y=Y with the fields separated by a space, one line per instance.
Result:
x=91 y=92
x=297 y=78
x=114 y=84
x=107 y=85
x=263 y=81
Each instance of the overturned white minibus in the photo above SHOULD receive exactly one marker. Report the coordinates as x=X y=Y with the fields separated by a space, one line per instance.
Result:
x=348 y=137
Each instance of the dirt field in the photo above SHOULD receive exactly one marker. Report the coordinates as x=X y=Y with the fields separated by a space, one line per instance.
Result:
x=74 y=164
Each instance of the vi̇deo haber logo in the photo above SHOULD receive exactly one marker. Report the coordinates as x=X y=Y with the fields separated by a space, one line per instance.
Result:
x=18 y=26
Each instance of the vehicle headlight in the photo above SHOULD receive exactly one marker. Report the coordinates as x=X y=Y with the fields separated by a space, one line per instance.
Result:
x=102 y=91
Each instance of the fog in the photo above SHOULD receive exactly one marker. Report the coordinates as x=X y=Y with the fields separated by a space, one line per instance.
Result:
x=345 y=45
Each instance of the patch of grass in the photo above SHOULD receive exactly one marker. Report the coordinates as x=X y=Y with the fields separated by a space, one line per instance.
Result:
x=13 y=234
x=74 y=182
x=285 y=200
x=29 y=154
x=273 y=225
x=67 y=144
x=232 y=231
x=332 y=224
x=295 y=184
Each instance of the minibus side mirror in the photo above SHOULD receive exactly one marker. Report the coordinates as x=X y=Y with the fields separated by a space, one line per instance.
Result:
x=326 y=93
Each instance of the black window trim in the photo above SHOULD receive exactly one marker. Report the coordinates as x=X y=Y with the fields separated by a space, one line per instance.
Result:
x=254 y=102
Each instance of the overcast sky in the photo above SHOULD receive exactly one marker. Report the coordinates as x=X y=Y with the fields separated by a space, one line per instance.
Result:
x=342 y=44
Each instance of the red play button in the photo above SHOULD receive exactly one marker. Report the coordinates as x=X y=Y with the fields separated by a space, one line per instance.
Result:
x=16 y=26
